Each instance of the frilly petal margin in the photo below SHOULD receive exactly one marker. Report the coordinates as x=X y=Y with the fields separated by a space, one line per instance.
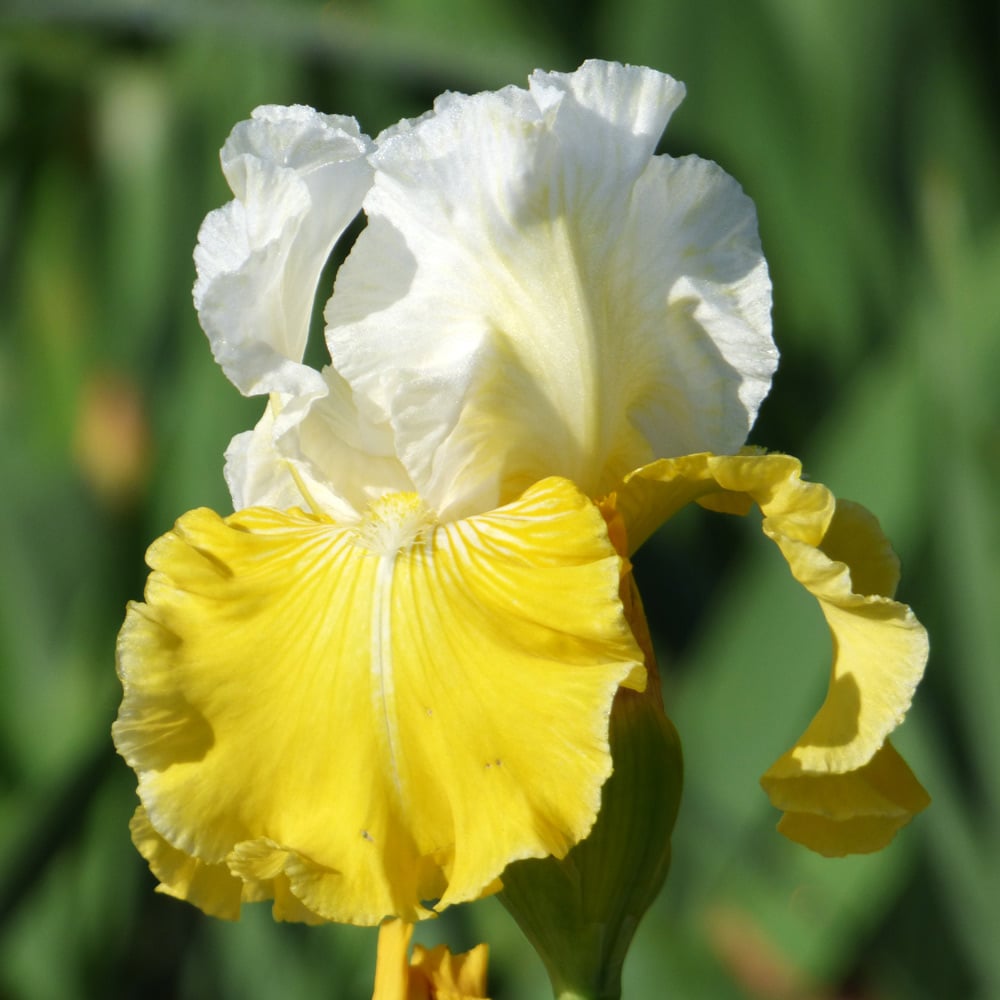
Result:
x=212 y=888
x=299 y=178
x=842 y=787
x=375 y=719
x=217 y=889
x=433 y=974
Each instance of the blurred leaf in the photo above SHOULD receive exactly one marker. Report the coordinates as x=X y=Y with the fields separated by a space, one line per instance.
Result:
x=352 y=34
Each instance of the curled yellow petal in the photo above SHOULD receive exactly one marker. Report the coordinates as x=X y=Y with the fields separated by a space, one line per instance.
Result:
x=842 y=787
x=373 y=719
x=853 y=813
x=434 y=974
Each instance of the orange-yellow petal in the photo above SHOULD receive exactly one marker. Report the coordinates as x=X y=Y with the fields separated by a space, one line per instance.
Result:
x=453 y=977
x=433 y=974
x=392 y=963
x=842 y=787
x=360 y=720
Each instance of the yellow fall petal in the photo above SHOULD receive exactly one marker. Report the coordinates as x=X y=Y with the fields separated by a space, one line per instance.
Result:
x=360 y=720
x=842 y=786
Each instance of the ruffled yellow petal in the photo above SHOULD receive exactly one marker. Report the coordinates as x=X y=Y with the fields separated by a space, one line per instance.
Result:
x=361 y=720
x=213 y=888
x=433 y=974
x=842 y=787
x=220 y=889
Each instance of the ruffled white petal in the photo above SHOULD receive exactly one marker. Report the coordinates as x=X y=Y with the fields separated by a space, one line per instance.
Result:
x=255 y=471
x=299 y=177
x=535 y=294
x=630 y=105
x=315 y=452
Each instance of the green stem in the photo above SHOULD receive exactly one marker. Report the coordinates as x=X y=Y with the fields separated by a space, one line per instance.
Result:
x=583 y=957
x=602 y=984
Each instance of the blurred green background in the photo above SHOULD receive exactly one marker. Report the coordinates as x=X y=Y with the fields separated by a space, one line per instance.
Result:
x=866 y=134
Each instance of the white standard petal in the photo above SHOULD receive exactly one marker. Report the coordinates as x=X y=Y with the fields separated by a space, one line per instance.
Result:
x=299 y=178
x=689 y=297
x=532 y=280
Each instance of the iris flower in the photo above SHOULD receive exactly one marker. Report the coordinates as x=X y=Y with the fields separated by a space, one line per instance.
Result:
x=389 y=673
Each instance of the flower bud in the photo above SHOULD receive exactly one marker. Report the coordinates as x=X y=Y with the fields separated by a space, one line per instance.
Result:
x=580 y=912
